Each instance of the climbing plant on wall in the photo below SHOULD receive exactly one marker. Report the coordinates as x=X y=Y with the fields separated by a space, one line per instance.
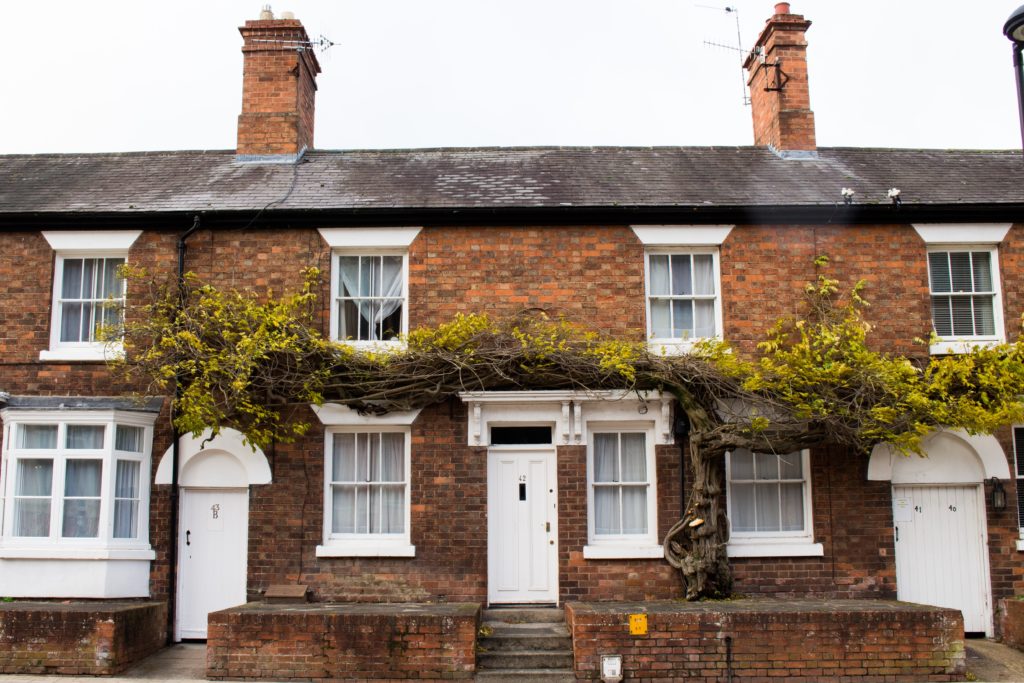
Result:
x=252 y=361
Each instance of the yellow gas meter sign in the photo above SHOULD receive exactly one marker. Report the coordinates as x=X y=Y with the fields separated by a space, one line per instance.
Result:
x=638 y=624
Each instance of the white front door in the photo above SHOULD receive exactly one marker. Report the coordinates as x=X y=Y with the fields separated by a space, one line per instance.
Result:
x=212 y=547
x=941 y=550
x=522 y=534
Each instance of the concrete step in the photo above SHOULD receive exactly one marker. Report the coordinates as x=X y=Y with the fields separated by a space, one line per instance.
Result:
x=524 y=615
x=511 y=639
x=525 y=659
x=527 y=675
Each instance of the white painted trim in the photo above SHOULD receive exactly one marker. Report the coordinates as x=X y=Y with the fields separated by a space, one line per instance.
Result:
x=674 y=345
x=543 y=407
x=366 y=549
x=985 y=446
x=335 y=415
x=682 y=235
x=91 y=240
x=1020 y=546
x=380 y=345
x=790 y=541
x=99 y=351
x=366 y=545
x=955 y=347
x=369 y=238
x=625 y=551
x=71 y=553
x=954 y=344
x=775 y=550
x=229 y=442
x=962 y=233
x=630 y=541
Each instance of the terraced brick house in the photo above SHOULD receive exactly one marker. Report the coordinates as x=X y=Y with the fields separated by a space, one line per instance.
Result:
x=539 y=497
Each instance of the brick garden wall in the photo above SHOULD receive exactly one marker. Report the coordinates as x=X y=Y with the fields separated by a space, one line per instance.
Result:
x=282 y=642
x=79 y=638
x=760 y=641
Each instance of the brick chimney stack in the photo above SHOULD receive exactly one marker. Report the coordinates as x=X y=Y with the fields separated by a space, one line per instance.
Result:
x=278 y=88
x=779 y=94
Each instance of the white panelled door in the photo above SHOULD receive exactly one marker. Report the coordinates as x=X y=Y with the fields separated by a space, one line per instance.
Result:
x=212 y=547
x=522 y=537
x=941 y=550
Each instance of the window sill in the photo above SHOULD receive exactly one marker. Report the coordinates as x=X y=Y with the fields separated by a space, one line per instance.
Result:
x=955 y=346
x=366 y=549
x=674 y=347
x=85 y=353
x=623 y=552
x=1020 y=546
x=381 y=346
x=66 y=553
x=776 y=549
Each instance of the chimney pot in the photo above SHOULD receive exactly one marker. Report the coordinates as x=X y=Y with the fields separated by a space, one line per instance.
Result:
x=288 y=15
x=266 y=14
x=782 y=8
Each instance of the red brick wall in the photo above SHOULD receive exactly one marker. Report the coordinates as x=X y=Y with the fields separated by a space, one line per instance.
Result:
x=852 y=520
x=1011 y=625
x=752 y=640
x=79 y=638
x=425 y=642
x=593 y=274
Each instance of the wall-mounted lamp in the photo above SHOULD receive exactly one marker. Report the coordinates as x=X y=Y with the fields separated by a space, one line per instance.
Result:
x=611 y=668
x=998 y=494
x=1014 y=30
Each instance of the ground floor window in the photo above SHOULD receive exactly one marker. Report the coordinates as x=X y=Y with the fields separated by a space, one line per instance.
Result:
x=76 y=478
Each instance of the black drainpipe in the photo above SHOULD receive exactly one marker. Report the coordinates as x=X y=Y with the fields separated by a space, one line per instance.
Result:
x=172 y=550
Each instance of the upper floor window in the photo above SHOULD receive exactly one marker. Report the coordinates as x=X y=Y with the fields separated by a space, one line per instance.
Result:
x=369 y=283
x=88 y=292
x=1018 y=461
x=370 y=298
x=683 y=281
x=683 y=301
x=964 y=287
x=769 y=504
x=76 y=479
x=963 y=281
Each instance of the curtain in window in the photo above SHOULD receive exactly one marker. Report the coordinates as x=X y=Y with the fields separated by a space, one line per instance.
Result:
x=606 y=470
x=37 y=436
x=679 y=283
x=84 y=437
x=766 y=491
x=32 y=512
x=126 y=499
x=128 y=439
x=363 y=500
x=371 y=291
x=82 y=498
x=88 y=288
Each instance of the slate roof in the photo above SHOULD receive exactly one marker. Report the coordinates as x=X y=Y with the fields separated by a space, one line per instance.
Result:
x=196 y=181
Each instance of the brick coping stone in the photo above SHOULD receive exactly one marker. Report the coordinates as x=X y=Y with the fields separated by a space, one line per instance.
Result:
x=84 y=606
x=756 y=605
x=452 y=609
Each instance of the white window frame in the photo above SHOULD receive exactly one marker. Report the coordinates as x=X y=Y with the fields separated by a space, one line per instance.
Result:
x=775 y=543
x=1018 y=474
x=93 y=244
x=386 y=241
x=963 y=343
x=55 y=545
x=336 y=297
x=681 y=239
x=669 y=344
x=623 y=546
x=366 y=545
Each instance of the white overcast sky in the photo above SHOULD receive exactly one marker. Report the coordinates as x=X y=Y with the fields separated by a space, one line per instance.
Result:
x=105 y=76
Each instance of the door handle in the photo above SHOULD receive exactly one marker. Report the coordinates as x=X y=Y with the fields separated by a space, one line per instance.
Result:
x=188 y=537
x=547 y=527
x=897 y=533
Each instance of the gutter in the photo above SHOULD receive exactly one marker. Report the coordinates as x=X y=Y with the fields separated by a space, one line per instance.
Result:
x=172 y=548
x=777 y=214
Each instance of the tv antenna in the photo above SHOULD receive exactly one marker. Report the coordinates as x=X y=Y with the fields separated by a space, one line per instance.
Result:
x=738 y=47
